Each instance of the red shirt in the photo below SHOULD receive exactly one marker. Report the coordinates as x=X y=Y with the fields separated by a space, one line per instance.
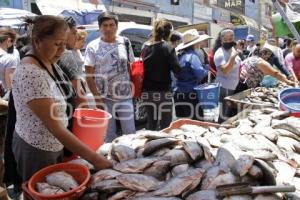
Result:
x=293 y=64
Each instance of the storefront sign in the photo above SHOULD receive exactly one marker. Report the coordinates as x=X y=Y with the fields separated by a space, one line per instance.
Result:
x=233 y=5
x=237 y=20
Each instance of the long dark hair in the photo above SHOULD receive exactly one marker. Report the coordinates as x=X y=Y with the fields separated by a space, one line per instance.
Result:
x=218 y=42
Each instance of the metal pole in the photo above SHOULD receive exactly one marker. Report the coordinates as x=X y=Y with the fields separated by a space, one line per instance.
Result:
x=259 y=19
x=193 y=11
x=287 y=21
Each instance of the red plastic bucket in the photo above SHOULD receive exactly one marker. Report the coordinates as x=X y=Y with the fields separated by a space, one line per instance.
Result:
x=90 y=125
x=79 y=172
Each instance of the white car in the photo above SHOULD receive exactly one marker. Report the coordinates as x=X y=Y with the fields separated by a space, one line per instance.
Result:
x=136 y=33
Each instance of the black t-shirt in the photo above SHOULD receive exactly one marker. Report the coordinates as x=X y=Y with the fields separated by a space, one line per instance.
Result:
x=159 y=60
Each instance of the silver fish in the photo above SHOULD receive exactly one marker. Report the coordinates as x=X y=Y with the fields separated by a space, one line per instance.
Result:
x=139 y=182
x=105 y=149
x=108 y=186
x=285 y=133
x=203 y=195
x=291 y=124
x=286 y=143
x=193 y=149
x=154 y=135
x=159 y=169
x=62 y=179
x=156 y=198
x=177 y=157
x=211 y=174
x=125 y=194
x=155 y=145
x=285 y=172
x=179 y=184
x=222 y=179
x=122 y=152
x=193 y=128
x=255 y=172
x=268 y=132
x=206 y=149
x=160 y=152
x=179 y=169
x=105 y=174
x=224 y=157
x=203 y=164
x=134 y=166
x=267 y=197
x=82 y=162
x=238 y=197
x=45 y=188
x=243 y=164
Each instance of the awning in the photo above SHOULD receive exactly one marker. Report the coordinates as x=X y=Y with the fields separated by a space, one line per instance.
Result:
x=55 y=7
x=243 y=20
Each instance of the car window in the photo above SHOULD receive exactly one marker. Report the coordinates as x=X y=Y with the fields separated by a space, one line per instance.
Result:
x=92 y=35
x=137 y=37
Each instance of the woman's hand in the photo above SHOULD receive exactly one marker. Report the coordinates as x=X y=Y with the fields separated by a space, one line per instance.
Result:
x=100 y=162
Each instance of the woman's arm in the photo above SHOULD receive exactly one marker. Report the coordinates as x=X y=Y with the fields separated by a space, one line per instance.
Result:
x=90 y=79
x=9 y=72
x=227 y=67
x=46 y=110
x=267 y=69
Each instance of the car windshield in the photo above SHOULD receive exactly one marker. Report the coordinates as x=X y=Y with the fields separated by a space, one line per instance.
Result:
x=137 y=37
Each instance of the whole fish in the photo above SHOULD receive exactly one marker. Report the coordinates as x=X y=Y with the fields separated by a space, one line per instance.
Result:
x=203 y=195
x=193 y=149
x=206 y=149
x=267 y=197
x=134 y=166
x=154 y=135
x=285 y=133
x=82 y=162
x=194 y=129
x=159 y=169
x=224 y=157
x=203 y=164
x=238 y=197
x=156 y=198
x=62 y=179
x=222 y=179
x=177 y=157
x=286 y=143
x=160 y=152
x=108 y=186
x=243 y=165
x=45 y=188
x=155 y=145
x=211 y=174
x=90 y=196
x=177 y=185
x=139 y=182
x=121 y=152
x=104 y=174
x=105 y=149
x=179 y=169
x=290 y=124
x=268 y=132
x=285 y=172
x=125 y=194
x=255 y=172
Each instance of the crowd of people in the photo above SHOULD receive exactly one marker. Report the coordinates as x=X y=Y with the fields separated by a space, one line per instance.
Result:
x=49 y=78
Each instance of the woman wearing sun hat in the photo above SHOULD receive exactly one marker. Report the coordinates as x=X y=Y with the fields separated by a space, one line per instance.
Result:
x=193 y=71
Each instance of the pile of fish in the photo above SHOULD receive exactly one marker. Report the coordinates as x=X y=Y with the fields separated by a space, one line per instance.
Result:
x=264 y=96
x=57 y=183
x=191 y=162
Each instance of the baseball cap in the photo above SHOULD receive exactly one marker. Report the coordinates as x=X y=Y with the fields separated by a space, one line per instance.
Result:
x=250 y=38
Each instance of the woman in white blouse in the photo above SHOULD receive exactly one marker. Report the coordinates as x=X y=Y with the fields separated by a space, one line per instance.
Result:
x=40 y=131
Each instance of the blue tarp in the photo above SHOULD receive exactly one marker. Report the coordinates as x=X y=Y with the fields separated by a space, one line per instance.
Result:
x=83 y=17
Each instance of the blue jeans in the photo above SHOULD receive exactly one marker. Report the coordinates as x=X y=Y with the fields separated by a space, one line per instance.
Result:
x=123 y=111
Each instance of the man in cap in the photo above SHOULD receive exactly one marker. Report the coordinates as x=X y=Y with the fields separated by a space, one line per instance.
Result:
x=251 y=46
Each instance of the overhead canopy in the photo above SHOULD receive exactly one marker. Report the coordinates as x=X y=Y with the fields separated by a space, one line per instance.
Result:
x=12 y=17
x=83 y=17
x=55 y=7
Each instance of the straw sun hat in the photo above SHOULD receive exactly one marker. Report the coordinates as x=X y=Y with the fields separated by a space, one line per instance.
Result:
x=191 y=37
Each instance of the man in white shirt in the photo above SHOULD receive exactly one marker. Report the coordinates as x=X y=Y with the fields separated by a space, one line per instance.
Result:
x=106 y=63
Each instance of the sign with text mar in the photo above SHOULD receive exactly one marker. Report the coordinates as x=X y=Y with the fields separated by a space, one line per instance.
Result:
x=233 y=5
